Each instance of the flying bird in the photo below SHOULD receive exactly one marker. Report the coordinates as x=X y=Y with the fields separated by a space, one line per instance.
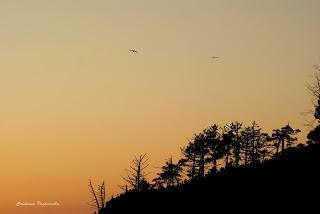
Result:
x=133 y=50
x=214 y=57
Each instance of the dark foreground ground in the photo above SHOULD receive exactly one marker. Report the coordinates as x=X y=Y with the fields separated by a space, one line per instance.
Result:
x=288 y=184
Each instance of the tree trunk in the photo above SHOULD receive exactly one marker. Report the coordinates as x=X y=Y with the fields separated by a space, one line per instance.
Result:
x=282 y=145
x=227 y=160
x=214 y=158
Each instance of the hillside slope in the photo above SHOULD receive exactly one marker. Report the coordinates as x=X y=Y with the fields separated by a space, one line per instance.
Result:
x=289 y=182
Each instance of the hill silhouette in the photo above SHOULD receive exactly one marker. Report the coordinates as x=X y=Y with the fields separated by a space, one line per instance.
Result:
x=233 y=168
x=287 y=182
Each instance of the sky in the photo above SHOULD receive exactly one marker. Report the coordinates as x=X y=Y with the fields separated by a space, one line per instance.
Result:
x=77 y=105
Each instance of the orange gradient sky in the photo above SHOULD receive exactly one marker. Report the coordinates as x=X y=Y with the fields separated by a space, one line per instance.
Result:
x=76 y=105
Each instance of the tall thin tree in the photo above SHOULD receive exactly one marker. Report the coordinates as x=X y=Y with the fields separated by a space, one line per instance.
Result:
x=97 y=197
x=215 y=146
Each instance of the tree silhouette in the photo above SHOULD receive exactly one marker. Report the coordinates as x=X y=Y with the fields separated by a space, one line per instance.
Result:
x=136 y=174
x=289 y=134
x=215 y=146
x=234 y=130
x=244 y=151
x=97 y=197
x=226 y=141
x=189 y=159
x=283 y=138
x=202 y=151
x=144 y=185
x=277 y=138
x=254 y=144
x=262 y=151
x=247 y=142
x=314 y=89
x=170 y=175
x=255 y=133
x=196 y=156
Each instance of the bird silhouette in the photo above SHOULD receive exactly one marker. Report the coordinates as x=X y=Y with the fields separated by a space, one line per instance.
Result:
x=133 y=50
x=214 y=57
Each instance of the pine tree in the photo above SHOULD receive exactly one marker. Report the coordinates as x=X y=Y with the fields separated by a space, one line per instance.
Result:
x=284 y=138
x=170 y=175
x=215 y=146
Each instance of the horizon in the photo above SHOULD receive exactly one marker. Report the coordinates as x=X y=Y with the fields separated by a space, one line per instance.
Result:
x=78 y=105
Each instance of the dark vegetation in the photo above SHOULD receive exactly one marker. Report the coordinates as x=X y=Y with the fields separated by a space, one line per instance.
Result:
x=289 y=181
x=231 y=168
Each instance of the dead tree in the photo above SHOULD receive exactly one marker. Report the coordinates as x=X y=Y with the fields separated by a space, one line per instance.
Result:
x=314 y=88
x=97 y=197
x=136 y=174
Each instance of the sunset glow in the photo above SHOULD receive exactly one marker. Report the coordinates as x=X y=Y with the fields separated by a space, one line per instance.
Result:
x=78 y=105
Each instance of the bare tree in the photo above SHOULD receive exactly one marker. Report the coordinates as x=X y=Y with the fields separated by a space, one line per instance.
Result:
x=97 y=197
x=314 y=89
x=136 y=174
x=314 y=86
